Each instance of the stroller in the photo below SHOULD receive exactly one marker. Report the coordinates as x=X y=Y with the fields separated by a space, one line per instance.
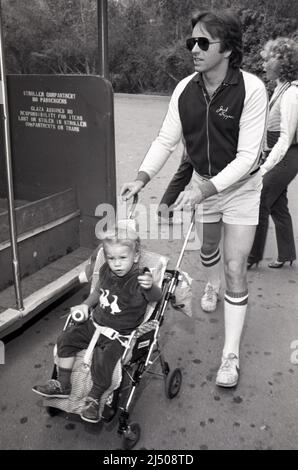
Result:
x=141 y=352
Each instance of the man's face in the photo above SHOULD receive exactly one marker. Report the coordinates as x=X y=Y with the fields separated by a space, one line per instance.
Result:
x=205 y=61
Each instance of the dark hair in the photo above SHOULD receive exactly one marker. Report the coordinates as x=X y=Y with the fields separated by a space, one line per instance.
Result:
x=285 y=51
x=225 y=26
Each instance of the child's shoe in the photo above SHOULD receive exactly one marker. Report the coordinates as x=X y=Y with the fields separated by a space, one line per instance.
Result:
x=210 y=298
x=91 y=412
x=52 y=389
x=110 y=408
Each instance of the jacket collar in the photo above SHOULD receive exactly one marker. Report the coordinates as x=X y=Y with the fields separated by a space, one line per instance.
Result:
x=231 y=78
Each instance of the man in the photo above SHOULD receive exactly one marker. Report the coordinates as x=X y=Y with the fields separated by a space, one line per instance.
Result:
x=220 y=111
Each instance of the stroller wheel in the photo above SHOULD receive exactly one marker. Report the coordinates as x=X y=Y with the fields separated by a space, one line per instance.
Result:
x=131 y=436
x=173 y=383
x=52 y=411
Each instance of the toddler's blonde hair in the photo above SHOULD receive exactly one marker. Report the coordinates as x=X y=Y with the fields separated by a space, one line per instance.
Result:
x=122 y=234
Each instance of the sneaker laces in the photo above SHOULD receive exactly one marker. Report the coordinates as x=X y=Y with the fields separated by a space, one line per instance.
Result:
x=228 y=361
x=109 y=399
x=53 y=384
x=91 y=401
x=209 y=292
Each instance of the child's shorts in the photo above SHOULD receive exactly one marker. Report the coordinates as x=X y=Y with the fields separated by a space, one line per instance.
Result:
x=237 y=205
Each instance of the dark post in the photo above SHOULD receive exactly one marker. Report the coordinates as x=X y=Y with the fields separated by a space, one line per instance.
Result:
x=102 y=28
x=10 y=196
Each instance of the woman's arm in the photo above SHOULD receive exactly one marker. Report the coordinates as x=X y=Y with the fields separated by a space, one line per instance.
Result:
x=288 y=127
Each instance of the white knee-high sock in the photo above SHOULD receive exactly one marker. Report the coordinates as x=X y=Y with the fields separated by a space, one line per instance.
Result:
x=235 y=307
x=211 y=268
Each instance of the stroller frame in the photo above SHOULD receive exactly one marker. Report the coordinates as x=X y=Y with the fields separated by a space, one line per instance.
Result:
x=145 y=352
x=173 y=380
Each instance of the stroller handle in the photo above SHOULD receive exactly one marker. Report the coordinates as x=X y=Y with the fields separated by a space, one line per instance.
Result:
x=133 y=206
x=192 y=223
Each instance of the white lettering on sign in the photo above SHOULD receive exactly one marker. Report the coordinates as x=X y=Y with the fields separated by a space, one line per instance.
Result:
x=42 y=114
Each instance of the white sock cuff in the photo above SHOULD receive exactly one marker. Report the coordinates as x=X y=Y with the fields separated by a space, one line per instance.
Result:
x=237 y=298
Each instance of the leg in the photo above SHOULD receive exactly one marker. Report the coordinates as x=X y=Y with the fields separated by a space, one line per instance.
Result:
x=275 y=183
x=210 y=257
x=105 y=358
x=259 y=242
x=286 y=171
x=283 y=228
x=70 y=341
x=235 y=256
x=268 y=197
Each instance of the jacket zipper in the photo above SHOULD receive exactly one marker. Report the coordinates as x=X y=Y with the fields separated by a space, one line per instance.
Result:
x=208 y=103
x=207 y=131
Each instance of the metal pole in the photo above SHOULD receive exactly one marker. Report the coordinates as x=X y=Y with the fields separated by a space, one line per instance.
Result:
x=192 y=223
x=11 y=208
x=102 y=30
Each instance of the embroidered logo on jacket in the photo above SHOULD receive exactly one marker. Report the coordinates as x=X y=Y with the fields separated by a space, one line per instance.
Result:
x=221 y=111
x=104 y=301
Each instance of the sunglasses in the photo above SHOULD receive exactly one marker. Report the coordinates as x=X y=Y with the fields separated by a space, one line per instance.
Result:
x=202 y=42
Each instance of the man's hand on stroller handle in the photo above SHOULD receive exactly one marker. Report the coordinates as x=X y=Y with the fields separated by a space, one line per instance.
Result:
x=188 y=199
x=79 y=313
x=128 y=190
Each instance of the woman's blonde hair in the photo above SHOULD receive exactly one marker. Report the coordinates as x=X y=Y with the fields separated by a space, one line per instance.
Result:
x=285 y=51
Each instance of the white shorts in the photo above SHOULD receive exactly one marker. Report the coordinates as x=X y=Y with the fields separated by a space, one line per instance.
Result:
x=238 y=205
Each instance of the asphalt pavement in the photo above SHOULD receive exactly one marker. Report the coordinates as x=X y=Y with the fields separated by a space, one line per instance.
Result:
x=261 y=413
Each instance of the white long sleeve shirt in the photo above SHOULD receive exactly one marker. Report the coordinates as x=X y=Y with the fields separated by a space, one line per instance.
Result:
x=223 y=136
x=285 y=120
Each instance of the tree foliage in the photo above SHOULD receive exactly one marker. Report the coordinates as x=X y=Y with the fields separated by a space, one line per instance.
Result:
x=146 y=37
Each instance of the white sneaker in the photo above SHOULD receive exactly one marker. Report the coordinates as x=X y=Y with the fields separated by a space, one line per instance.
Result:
x=210 y=298
x=228 y=373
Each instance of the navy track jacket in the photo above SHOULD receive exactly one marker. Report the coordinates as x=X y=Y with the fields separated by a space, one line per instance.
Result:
x=223 y=135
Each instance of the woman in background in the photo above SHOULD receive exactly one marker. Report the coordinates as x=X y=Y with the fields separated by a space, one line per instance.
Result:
x=281 y=165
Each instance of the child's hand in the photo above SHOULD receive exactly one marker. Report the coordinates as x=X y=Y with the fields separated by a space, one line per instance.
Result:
x=146 y=280
x=80 y=313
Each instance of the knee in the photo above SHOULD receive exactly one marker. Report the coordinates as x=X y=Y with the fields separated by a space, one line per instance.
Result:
x=59 y=341
x=208 y=247
x=235 y=271
x=266 y=200
x=265 y=208
x=280 y=211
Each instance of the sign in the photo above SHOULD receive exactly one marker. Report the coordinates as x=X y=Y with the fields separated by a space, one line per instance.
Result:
x=62 y=136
